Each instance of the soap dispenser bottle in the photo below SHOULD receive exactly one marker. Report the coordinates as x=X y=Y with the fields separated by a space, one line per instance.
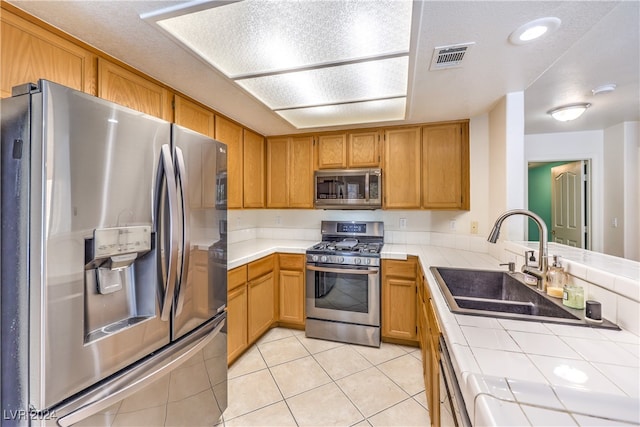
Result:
x=556 y=278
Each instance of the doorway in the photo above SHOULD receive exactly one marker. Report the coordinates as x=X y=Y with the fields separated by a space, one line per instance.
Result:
x=559 y=192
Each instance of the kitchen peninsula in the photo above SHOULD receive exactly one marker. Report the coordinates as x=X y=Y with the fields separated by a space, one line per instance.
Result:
x=519 y=372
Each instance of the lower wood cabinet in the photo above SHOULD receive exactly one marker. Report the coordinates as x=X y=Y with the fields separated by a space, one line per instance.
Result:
x=429 y=337
x=236 y=313
x=260 y=297
x=260 y=294
x=399 y=317
x=250 y=304
x=291 y=290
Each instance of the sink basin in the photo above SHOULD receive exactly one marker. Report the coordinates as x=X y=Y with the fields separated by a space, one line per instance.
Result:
x=505 y=295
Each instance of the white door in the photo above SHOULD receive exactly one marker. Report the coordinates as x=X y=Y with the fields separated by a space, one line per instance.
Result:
x=568 y=209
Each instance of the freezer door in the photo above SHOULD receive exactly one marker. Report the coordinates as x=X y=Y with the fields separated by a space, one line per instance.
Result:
x=201 y=290
x=93 y=311
x=184 y=384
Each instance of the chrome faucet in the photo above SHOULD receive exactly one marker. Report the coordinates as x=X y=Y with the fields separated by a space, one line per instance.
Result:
x=539 y=271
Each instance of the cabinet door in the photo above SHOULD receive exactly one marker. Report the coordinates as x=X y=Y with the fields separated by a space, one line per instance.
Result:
x=363 y=150
x=277 y=172
x=194 y=117
x=29 y=52
x=236 y=322
x=434 y=404
x=301 y=172
x=399 y=308
x=231 y=134
x=445 y=163
x=402 y=168
x=291 y=289
x=332 y=151
x=260 y=305
x=132 y=90
x=254 y=170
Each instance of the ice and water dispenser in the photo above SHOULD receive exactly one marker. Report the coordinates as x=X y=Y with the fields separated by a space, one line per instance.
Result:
x=119 y=280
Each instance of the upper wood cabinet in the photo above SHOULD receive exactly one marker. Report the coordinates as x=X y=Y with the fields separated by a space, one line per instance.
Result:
x=277 y=172
x=332 y=151
x=232 y=134
x=363 y=149
x=126 y=88
x=194 y=117
x=290 y=172
x=352 y=150
x=254 y=170
x=445 y=166
x=401 y=171
x=29 y=52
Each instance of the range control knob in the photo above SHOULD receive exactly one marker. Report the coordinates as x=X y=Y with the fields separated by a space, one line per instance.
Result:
x=323 y=258
x=368 y=261
x=340 y=259
x=357 y=261
x=314 y=257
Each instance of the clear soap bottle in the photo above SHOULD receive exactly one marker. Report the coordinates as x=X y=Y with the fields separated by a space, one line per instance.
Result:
x=556 y=278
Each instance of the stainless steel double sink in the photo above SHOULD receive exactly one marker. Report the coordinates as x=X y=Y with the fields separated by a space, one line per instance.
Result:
x=504 y=295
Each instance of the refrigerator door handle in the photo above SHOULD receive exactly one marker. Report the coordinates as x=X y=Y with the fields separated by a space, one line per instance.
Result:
x=181 y=174
x=167 y=282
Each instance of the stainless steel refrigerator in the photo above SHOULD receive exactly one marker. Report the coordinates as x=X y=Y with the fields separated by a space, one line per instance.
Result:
x=113 y=265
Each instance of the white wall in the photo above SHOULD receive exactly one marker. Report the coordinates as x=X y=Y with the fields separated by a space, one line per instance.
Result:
x=506 y=171
x=631 y=158
x=613 y=197
x=551 y=147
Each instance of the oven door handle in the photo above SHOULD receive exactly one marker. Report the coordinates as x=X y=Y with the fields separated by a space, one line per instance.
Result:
x=342 y=270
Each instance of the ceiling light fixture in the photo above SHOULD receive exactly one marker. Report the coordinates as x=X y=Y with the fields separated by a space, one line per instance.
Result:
x=534 y=30
x=310 y=77
x=603 y=89
x=569 y=112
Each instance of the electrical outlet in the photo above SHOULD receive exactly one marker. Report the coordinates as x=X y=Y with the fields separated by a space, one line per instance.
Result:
x=474 y=227
x=403 y=223
x=452 y=225
x=278 y=220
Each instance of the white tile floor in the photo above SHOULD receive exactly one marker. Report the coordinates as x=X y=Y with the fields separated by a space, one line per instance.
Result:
x=286 y=379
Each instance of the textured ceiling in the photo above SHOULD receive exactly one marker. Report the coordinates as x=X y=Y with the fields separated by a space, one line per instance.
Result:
x=597 y=43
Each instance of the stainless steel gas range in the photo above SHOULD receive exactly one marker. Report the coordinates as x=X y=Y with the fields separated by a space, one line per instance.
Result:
x=343 y=283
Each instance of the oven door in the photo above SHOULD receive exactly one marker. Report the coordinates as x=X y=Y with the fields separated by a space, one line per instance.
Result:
x=343 y=293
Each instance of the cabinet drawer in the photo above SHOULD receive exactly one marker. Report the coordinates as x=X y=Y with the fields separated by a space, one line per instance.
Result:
x=406 y=269
x=291 y=262
x=260 y=267
x=236 y=277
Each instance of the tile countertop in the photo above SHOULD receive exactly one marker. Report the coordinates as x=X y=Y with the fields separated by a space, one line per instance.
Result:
x=513 y=372
x=521 y=373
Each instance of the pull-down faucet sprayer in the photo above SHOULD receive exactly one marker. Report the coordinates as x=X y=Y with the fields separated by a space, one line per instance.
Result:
x=540 y=272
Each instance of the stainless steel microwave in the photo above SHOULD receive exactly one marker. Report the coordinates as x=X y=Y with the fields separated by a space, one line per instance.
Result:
x=348 y=189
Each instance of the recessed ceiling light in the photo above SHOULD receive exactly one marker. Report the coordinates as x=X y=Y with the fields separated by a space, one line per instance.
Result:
x=569 y=112
x=534 y=30
x=604 y=89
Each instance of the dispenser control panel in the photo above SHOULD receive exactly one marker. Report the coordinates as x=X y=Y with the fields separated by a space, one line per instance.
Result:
x=109 y=242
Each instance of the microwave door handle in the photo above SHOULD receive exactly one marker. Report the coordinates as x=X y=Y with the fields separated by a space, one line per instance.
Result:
x=342 y=270
x=167 y=282
x=181 y=175
x=366 y=187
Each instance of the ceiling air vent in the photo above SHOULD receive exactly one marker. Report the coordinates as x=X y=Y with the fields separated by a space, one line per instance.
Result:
x=449 y=56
